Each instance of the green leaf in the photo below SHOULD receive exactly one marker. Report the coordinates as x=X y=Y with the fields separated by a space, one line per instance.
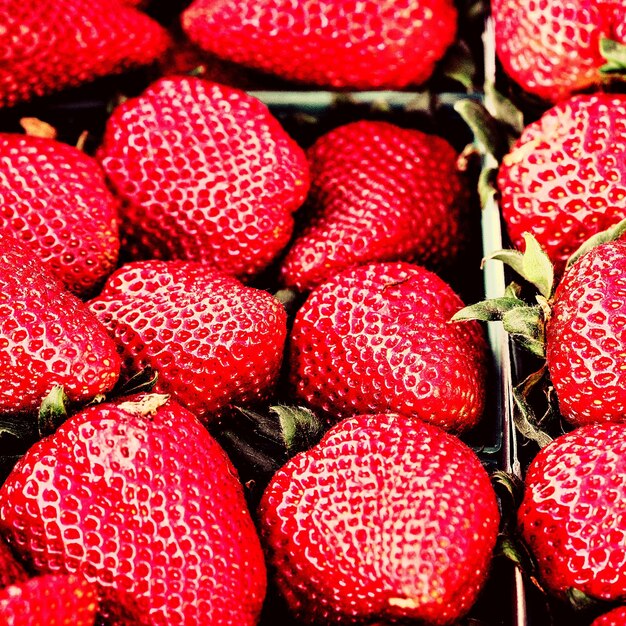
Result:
x=509 y=549
x=525 y=324
x=538 y=268
x=301 y=428
x=610 y=234
x=513 y=485
x=512 y=258
x=504 y=110
x=533 y=264
x=290 y=299
x=459 y=65
x=488 y=310
x=524 y=416
x=580 y=601
x=512 y=290
x=615 y=55
x=53 y=411
x=481 y=123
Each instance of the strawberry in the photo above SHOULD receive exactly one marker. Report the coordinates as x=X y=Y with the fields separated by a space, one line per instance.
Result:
x=138 y=498
x=376 y=338
x=206 y=174
x=212 y=341
x=565 y=178
x=572 y=514
x=53 y=600
x=586 y=337
x=352 y=43
x=381 y=193
x=387 y=518
x=616 y=617
x=48 y=337
x=55 y=198
x=552 y=48
x=577 y=328
x=50 y=45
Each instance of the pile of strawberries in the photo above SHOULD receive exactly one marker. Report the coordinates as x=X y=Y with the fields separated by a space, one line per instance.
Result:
x=238 y=383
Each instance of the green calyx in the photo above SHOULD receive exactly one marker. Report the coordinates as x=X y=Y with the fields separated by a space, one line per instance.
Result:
x=615 y=55
x=301 y=428
x=53 y=411
x=524 y=322
x=495 y=129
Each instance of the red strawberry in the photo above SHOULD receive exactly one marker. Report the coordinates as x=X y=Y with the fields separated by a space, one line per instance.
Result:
x=213 y=341
x=572 y=514
x=586 y=337
x=381 y=193
x=53 y=600
x=565 y=178
x=352 y=43
x=50 y=45
x=48 y=337
x=137 y=497
x=55 y=198
x=552 y=47
x=386 y=518
x=377 y=338
x=616 y=617
x=207 y=174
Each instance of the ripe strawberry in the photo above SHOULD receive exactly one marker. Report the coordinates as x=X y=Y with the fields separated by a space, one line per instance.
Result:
x=48 y=337
x=616 y=617
x=577 y=328
x=137 y=497
x=55 y=198
x=53 y=600
x=206 y=173
x=351 y=43
x=381 y=193
x=377 y=338
x=586 y=337
x=552 y=48
x=565 y=178
x=213 y=341
x=386 y=518
x=50 y=45
x=572 y=517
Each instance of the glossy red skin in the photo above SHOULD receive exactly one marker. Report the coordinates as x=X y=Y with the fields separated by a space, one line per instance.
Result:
x=377 y=338
x=206 y=174
x=586 y=337
x=146 y=505
x=552 y=47
x=565 y=178
x=616 y=617
x=363 y=45
x=51 y=45
x=213 y=341
x=380 y=193
x=48 y=336
x=571 y=516
x=53 y=600
x=55 y=198
x=387 y=517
